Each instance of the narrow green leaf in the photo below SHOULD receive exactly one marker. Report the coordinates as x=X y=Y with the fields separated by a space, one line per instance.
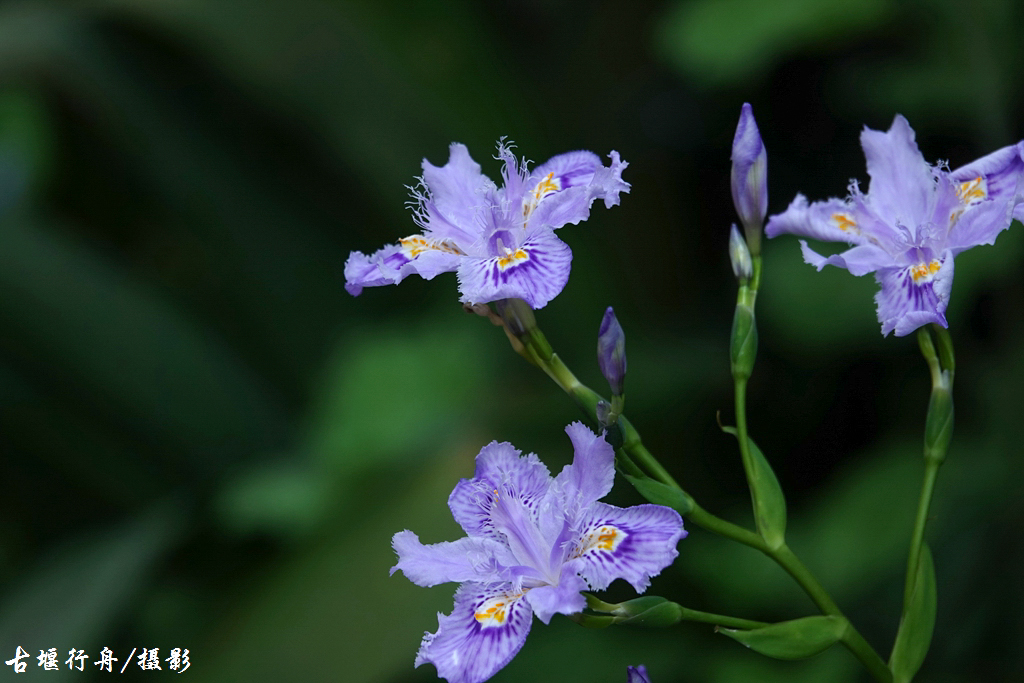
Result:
x=662 y=494
x=769 y=501
x=796 y=639
x=918 y=622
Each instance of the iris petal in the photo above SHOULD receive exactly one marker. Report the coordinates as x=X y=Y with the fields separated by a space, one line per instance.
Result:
x=480 y=636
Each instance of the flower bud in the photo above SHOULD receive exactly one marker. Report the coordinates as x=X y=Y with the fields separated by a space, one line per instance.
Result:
x=611 y=351
x=749 y=177
x=637 y=674
x=739 y=255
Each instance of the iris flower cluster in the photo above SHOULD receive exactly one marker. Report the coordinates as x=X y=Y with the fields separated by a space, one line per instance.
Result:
x=535 y=542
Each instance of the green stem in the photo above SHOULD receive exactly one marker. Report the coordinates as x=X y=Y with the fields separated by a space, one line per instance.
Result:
x=740 y=402
x=931 y=472
x=852 y=638
x=720 y=619
x=541 y=353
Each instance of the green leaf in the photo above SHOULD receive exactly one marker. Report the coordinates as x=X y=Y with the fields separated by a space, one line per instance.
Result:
x=648 y=611
x=662 y=494
x=918 y=622
x=769 y=501
x=796 y=639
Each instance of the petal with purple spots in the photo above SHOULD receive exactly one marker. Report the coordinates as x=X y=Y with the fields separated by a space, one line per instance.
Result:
x=482 y=634
x=632 y=543
x=536 y=271
x=914 y=295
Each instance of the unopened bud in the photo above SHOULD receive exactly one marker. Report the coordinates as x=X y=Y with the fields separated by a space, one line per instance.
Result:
x=750 y=177
x=611 y=351
x=739 y=255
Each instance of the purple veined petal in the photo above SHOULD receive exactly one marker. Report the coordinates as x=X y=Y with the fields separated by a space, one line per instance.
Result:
x=1000 y=170
x=591 y=474
x=498 y=466
x=563 y=598
x=632 y=543
x=992 y=192
x=637 y=674
x=392 y=264
x=914 y=295
x=536 y=271
x=562 y=190
x=902 y=182
x=455 y=196
x=832 y=220
x=479 y=559
x=483 y=633
x=860 y=260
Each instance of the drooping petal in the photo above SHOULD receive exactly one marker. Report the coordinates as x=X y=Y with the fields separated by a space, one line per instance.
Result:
x=479 y=559
x=991 y=190
x=563 y=598
x=456 y=194
x=901 y=180
x=860 y=260
x=499 y=466
x=915 y=295
x=829 y=221
x=591 y=474
x=1001 y=171
x=483 y=633
x=535 y=272
x=561 y=190
x=632 y=543
x=393 y=263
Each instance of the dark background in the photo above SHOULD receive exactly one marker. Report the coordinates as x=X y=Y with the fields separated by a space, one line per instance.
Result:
x=206 y=443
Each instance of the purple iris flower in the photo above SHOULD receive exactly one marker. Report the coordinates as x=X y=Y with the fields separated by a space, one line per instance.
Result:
x=533 y=543
x=914 y=219
x=500 y=241
x=638 y=674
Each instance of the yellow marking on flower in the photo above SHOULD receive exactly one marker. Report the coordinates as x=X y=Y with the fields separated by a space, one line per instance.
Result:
x=972 y=190
x=512 y=258
x=845 y=222
x=494 y=611
x=548 y=185
x=924 y=270
x=605 y=537
x=417 y=244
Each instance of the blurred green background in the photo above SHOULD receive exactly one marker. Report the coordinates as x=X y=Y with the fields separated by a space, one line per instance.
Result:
x=205 y=443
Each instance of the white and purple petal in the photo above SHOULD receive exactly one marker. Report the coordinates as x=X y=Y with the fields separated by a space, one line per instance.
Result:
x=456 y=193
x=499 y=467
x=562 y=598
x=1001 y=171
x=902 y=182
x=830 y=221
x=479 y=559
x=591 y=474
x=393 y=263
x=633 y=543
x=860 y=260
x=914 y=295
x=483 y=633
x=562 y=190
x=992 y=191
x=536 y=271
